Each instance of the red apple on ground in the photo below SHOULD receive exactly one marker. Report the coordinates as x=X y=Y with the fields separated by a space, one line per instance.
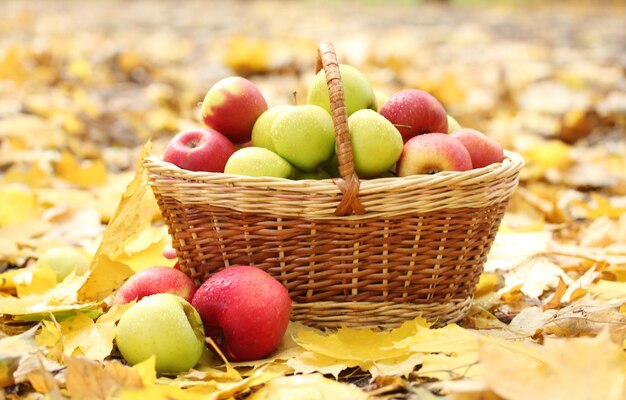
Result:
x=245 y=310
x=199 y=150
x=415 y=112
x=483 y=149
x=232 y=106
x=156 y=280
x=431 y=153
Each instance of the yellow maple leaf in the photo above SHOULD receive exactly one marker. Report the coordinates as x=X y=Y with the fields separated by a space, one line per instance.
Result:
x=305 y=387
x=578 y=368
x=146 y=249
x=35 y=280
x=84 y=174
x=247 y=55
x=32 y=175
x=18 y=204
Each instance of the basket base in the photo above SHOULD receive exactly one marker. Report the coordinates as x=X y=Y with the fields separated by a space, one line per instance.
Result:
x=376 y=315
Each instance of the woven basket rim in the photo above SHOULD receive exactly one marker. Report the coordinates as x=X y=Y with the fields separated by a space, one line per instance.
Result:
x=512 y=163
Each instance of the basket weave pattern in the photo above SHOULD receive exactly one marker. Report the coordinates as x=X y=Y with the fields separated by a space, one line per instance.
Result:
x=405 y=247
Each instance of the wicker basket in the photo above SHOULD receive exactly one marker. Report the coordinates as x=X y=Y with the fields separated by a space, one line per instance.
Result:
x=368 y=253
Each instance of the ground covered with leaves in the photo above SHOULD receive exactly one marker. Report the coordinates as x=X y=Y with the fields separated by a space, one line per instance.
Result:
x=85 y=85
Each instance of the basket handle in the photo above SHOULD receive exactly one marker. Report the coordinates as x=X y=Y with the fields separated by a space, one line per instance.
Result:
x=348 y=182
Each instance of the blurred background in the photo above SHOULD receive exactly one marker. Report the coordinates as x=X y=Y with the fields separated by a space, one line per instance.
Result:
x=94 y=80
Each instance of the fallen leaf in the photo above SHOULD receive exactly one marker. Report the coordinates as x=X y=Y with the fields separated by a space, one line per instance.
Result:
x=303 y=387
x=580 y=368
x=84 y=174
x=91 y=380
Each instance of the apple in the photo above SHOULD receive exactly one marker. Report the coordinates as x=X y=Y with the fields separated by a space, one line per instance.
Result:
x=257 y=161
x=482 y=149
x=358 y=93
x=262 y=130
x=199 y=150
x=376 y=143
x=317 y=174
x=431 y=153
x=332 y=166
x=415 y=112
x=245 y=310
x=381 y=98
x=453 y=124
x=163 y=325
x=64 y=260
x=304 y=135
x=155 y=280
x=232 y=106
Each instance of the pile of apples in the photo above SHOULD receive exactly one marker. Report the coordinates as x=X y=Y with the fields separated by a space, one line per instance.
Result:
x=405 y=134
x=243 y=309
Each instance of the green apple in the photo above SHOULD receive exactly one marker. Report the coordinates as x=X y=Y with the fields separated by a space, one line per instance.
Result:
x=381 y=98
x=64 y=260
x=453 y=124
x=358 y=93
x=376 y=143
x=163 y=325
x=332 y=166
x=262 y=129
x=304 y=135
x=257 y=161
x=317 y=174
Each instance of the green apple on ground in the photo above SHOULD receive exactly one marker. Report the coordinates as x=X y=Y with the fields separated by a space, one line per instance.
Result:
x=163 y=325
x=381 y=98
x=358 y=93
x=304 y=135
x=482 y=149
x=155 y=280
x=232 y=106
x=245 y=310
x=199 y=150
x=432 y=153
x=453 y=124
x=376 y=143
x=257 y=161
x=415 y=112
x=63 y=260
x=262 y=130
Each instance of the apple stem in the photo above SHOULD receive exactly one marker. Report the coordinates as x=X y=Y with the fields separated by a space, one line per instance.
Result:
x=402 y=126
x=295 y=98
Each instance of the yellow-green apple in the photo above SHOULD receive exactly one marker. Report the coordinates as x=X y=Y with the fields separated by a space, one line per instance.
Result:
x=304 y=135
x=317 y=174
x=381 y=98
x=358 y=93
x=332 y=166
x=482 y=149
x=63 y=260
x=199 y=150
x=231 y=107
x=165 y=326
x=245 y=310
x=431 y=153
x=376 y=143
x=155 y=280
x=453 y=124
x=262 y=130
x=257 y=161
x=415 y=112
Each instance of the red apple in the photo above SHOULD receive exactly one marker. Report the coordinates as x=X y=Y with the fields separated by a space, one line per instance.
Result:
x=155 y=280
x=415 y=112
x=199 y=150
x=483 y=150
x=431 y=153
x=245 y=310
x=232 y=106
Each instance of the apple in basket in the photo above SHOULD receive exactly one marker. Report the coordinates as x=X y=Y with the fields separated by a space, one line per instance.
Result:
x=431 y=153
x=482 y=149
x=232 y=106
x=165 y=326
x=155 y=280
x=245 y=311
x=199 y=150
x=415 y=112
x=358 y=93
